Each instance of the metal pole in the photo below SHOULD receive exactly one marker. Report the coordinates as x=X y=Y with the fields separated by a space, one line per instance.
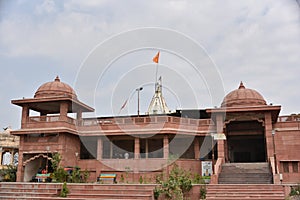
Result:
x=138 y=103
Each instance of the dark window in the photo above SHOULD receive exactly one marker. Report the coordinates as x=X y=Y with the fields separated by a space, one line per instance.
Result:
x=295 y=167
x=182 y=147
x=123 y=149
x=285 y=167
x=143 y=148
x=155 y=148
x=106 y=152
x=88 y=147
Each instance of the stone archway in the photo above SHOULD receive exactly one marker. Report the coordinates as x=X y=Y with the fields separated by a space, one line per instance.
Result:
x=32 y=164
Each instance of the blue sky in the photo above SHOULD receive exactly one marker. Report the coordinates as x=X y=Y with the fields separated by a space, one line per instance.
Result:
x=256 y=42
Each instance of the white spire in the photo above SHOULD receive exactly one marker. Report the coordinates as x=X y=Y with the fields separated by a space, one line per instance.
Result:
x=158 y=104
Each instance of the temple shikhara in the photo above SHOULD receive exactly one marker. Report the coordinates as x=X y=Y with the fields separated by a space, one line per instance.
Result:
x=245 y=134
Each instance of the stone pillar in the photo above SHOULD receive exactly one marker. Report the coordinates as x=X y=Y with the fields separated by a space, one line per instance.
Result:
x=268 y=135
x=63 y=111
x=11 y=156
x=166 y=147
x=25 y=115
x=99 y=149
x=196 y=148
x=1 y=157
x=136 y=148
x=79 y=118
x=221 y=146
x=20 y=171
x=147 y=149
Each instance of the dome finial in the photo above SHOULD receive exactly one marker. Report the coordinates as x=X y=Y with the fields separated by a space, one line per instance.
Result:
x=57 y=79
x=241 y=85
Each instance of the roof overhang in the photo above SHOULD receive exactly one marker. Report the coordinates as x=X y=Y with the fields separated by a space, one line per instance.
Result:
x=52 y=104
x=25 y=131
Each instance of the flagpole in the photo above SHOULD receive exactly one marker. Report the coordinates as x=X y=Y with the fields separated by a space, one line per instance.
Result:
x=156 y=73
x=156 y=59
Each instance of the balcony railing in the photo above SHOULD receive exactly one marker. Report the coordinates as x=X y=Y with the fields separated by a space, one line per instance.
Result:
x=56 y=118
x=146 y=120
x=289 y=118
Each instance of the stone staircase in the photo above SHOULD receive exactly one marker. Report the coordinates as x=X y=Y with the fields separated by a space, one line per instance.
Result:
x=112 y=191
x=28 y=191
x=245 y=173
x=245 y=191
x=47 y=191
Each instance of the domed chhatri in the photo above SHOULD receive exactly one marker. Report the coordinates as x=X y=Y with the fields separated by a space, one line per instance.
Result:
x=243 y=97
x=54 y=89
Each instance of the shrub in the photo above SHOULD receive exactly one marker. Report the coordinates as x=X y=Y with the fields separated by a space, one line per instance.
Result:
x=9 y=173
x=295 y=190
x=60 y=175
x=176 y=186
x=64 y=191
x=86 y=175
x=203 y=192
x=141 y=180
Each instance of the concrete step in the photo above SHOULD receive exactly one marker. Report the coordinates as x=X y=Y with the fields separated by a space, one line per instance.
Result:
x=38 y=198
x=245 y=173
x=16 y=191
x=111 y=191
x=252 y=191
x=20 y=190
x=111 y=196
x=28 y=194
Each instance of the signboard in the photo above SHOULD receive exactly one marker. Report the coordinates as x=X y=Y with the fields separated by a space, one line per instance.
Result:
x=219 y=136
x=206 y=168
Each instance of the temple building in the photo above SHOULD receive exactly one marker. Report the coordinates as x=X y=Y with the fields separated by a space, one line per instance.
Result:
x=9 y=148
x=244 y=132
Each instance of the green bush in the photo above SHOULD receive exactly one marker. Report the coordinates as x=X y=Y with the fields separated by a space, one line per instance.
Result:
x=86 y=175
x=60 y=175
x=9 y=174
x=295 y=190
x=64 y=191
x=75 y=176
x=203 y=192
x=176 y=186
x=141 y=180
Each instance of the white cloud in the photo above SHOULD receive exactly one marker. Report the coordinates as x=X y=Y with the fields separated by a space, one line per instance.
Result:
x=48 y=6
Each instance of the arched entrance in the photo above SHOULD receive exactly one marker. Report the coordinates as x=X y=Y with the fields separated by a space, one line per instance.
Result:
x=33 y=163
x=245 y=141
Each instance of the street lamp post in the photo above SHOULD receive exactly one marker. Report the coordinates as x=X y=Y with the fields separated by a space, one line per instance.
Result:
x=138 y=103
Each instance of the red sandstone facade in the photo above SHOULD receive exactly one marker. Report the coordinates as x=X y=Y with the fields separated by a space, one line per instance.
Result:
x=145 y=145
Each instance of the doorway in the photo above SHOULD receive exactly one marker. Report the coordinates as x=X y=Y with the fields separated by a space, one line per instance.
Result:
x=246 y=142
x=246 y=148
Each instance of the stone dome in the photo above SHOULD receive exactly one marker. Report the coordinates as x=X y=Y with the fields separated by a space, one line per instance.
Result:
x=243 y=97
x=54 y=89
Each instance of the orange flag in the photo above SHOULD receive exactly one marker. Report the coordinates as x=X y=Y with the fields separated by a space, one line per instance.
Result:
x=156 y=58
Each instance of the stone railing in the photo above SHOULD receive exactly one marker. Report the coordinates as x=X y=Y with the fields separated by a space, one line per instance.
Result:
x=146 y=120
x=56 y=118
x=289 y=118
x=217 y=171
